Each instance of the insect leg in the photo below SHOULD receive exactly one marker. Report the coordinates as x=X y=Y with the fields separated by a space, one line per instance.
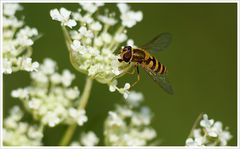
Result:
x=138 y=77
x=131 y=72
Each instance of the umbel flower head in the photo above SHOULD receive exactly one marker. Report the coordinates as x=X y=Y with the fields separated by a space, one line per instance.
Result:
x=18 y=133
x=209 y=134
x=92 y=39
x=129 y=125
x=17 y=42
x=50 y=97
x=86 y=139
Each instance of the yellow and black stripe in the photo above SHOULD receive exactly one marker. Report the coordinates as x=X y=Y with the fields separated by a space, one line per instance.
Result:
x=155 y=65
x=142 y=57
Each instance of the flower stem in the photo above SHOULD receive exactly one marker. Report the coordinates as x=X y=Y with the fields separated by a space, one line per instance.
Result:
x=195 y=125
x=82 y=104
x=68 y=43
x=67 y=37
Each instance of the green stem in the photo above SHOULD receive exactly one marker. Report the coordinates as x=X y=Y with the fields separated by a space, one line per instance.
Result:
x=86 y=93
x=68 y=38
x=195 y=125
x=71 y=53
x=82 y=104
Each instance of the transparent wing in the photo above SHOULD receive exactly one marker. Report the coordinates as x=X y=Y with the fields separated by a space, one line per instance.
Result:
x=159 y=43
x=161 y=80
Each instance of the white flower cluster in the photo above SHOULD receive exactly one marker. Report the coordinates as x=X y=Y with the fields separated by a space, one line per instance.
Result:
x=87 y=139
x=129 y=125
x=95 y=38
x=17 y=42
x=17 y=133
x=50 y=98
x=210 y=134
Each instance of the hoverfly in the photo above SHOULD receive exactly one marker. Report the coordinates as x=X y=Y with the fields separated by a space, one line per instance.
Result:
x=142 y=57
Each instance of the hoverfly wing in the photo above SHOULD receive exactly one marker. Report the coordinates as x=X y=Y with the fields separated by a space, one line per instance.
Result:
x=161 y=80
x=159 y=43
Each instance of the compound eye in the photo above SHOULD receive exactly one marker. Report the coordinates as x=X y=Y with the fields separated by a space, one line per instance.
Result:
x=127 y=57
x=128 y=48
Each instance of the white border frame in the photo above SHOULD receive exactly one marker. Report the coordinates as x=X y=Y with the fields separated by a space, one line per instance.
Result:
x=116 y=1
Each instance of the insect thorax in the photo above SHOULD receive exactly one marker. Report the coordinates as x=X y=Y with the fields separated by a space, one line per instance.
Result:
x=138 y=55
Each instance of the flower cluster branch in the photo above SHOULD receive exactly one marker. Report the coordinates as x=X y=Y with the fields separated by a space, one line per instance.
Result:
x=18 y=133
x=17 y=42
x=50 y=98
x=129 y=125
x=210 y=133
x=92 y=39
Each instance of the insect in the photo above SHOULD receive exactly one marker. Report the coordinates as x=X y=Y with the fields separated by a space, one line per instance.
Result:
x=142 y=57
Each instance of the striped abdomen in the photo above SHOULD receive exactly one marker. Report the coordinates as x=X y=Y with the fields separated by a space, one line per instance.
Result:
x=147 y=61
x=152 y=63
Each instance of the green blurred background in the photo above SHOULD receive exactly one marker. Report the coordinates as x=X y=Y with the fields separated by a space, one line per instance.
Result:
x=202 y=65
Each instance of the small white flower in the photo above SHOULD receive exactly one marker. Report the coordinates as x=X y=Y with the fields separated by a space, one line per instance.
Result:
x=72 y=93
x=34 y=133
x=134 y=98
x=107 y=20
x=89 y=139
x=224 y=137
x=113 y=86
x=197 y=133
x=67 y=78
x=206 y=123
x=7 y=66
x=25 y=41
x=34 y=103
x=115 y=68
x=85 y=32
x=71 y=23
x=63 y=16
x=86 y=19
x=129 y=18
x=115 y=119
x=191 y=142
x=11 y=8
x=113 y=137
x=149 y=133
x=27 y=32
x=91 y=7
x=75 y=143
x=96 y=26
x=130 y=42
x=106 y=37
x=29 y=66
x=98 y=42
x=20 y=93
x=39 y=77
x=123 y=7
x=215 y=129
x=139 y=119
x=124 y=111
x=56 y=78
x=51 y=119
x=121 y=37
x=125 y=91
x=82 y=118
x=49 y=66
x=78 y=115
